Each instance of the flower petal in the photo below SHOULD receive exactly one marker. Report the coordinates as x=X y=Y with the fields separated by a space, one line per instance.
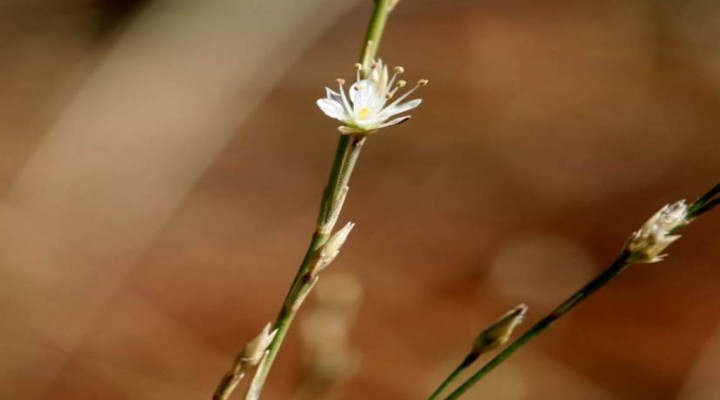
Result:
x=364 y=94
x=400 y=108
x=332 y=95
x=331 y=108
x=395 y=121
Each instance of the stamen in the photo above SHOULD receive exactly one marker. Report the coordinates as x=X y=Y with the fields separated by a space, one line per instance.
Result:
x=397 y=71
x=358 y=69
x=420 y=83
x=340 y=81
x=401 y=83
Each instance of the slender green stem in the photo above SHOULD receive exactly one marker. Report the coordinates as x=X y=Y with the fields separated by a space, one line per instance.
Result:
x=228 y=384
x=466 y=362
x=701 y=205
x=704 y=203
x=346 y=156
x=374 y=32
x=615 y=269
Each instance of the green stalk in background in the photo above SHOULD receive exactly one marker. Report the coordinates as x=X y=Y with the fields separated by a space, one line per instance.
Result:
x=644 y=246
x=496 y=335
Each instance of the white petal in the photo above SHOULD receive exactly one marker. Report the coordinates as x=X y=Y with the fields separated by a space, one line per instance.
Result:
x=344 y=101
x=395 y=121
x=400 y=108
x=364 y=94
x=331 y=108
x=332 y=95
x=356 y=88
x=404 y=96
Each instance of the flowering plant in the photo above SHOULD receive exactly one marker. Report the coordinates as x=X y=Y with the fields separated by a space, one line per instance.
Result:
x=364 y=109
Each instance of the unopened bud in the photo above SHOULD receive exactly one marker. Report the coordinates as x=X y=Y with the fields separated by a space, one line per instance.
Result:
x=253 y=352
x=499 y=332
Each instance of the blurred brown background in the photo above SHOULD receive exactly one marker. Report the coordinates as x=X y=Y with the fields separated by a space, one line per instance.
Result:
x=161 y=164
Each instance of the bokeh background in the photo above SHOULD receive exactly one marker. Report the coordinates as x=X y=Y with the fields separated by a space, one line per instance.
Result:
x=161 y=162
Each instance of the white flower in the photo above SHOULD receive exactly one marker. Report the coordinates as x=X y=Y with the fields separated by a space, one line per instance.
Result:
x=364 y=108
x=656 y=235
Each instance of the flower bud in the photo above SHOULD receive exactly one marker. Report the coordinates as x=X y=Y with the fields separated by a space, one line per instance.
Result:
x=656 y=234
x=499 y=332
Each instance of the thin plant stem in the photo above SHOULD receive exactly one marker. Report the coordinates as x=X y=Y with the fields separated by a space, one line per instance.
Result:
x=227 y=385
x=615 y=269
x=466 y=362
x=703 y=204
x=346 y=156
x=348 y=150
x=375 y=30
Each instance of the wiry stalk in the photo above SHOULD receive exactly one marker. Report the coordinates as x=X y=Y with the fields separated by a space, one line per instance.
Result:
x=454 y=375
x=346 y=155
x=617 y=267
x=348 y=150
x=700 y=206
x=494 y=336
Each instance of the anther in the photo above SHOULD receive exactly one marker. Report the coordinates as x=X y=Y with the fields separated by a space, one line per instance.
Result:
x=399 y=69
x=401 y=83
x=341 y=81
x=358 y=66
x=422 y=82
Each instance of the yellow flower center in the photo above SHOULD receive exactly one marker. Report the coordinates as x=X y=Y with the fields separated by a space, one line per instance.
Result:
x=364 y=113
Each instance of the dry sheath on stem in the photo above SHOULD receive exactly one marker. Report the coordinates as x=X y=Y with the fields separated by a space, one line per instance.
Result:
x=250 y=356
x=331 y=249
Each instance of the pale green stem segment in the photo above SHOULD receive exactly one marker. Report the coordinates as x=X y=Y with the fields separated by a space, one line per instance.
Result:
x=345 y=158
x=700 y=206
x=346 y=155
x=227 y=385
